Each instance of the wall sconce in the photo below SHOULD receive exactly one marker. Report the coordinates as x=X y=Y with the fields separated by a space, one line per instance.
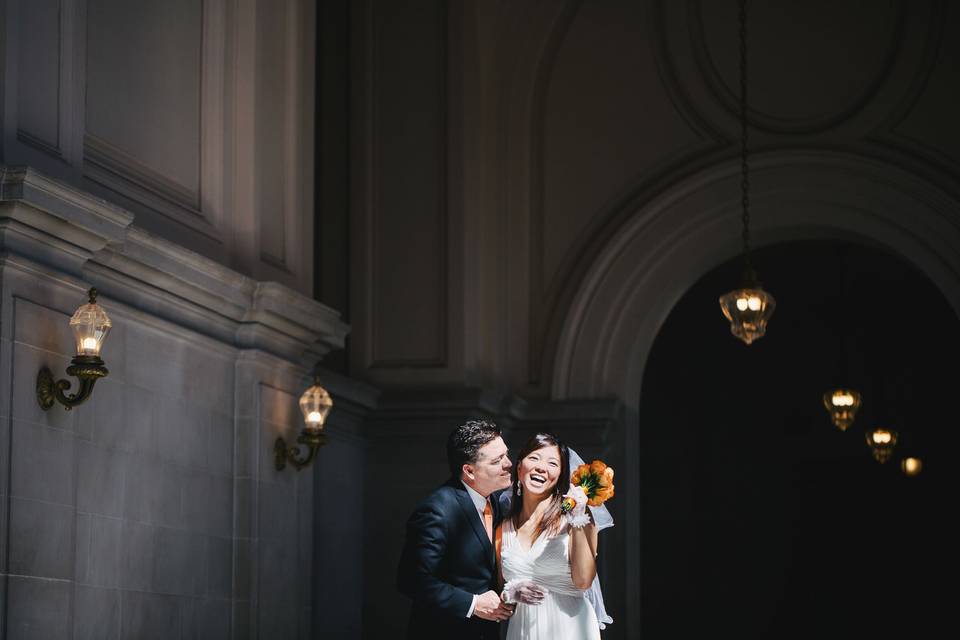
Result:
x=90 y=326
x=315 y=403
x=842 y=405
x=881 y=442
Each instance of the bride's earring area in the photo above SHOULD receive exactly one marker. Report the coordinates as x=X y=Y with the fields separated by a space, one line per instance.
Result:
x=519 y=488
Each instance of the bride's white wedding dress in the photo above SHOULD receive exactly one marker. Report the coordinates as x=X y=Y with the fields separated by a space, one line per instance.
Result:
x=565 y=613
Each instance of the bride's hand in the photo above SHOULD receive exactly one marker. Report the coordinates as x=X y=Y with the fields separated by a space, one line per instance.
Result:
x=577 y=515
x=523 y=591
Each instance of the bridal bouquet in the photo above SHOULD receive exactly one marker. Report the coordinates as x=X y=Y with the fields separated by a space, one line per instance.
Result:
x=595 y=484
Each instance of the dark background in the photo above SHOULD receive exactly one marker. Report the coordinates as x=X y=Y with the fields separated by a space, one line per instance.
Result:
x=760 y=519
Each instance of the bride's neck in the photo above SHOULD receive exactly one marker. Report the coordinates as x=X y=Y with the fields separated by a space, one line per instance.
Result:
x=530 y=504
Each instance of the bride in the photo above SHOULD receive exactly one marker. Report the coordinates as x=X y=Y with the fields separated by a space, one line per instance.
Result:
x=548 y=565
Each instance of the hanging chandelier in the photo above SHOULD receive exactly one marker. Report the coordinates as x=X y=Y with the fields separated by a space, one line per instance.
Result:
x=881 y=442
x=842 y=405
x=748 y=309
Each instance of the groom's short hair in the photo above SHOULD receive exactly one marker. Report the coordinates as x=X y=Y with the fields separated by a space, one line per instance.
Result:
x=465 y=442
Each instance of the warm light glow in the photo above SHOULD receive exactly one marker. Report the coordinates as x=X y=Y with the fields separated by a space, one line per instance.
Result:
x=315 y=403
x=748 y=311
x=90 y=325
x=842 y=400
x=911 y=466
x=882 y=441
x=842 y=405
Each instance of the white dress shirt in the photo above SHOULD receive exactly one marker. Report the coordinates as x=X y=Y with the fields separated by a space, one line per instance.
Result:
x=480 y=503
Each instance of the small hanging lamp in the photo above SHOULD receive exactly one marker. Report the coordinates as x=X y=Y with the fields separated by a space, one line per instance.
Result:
x=842 y=405
x=911 y=466
x=748 y=309
x=881 y=442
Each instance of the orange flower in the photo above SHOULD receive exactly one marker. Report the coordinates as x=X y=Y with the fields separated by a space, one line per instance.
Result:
x=575 y=478
x=603 y=494
x=598 y=467
x=596 y=480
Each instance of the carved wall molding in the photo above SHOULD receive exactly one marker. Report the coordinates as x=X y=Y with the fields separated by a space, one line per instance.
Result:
x=692 y=68
x=235 y=180
x=727 y=94
x=548 y=295
x=374 y=212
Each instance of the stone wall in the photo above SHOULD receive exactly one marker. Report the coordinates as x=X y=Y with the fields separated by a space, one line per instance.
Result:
x=154 y=509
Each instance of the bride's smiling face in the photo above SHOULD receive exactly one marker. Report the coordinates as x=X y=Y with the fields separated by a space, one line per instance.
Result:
x=539 y=471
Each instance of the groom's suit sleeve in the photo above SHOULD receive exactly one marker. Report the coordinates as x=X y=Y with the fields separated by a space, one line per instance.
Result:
x=423 y=552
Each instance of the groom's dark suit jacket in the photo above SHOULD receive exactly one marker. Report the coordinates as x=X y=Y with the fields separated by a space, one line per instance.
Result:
x=447 y=559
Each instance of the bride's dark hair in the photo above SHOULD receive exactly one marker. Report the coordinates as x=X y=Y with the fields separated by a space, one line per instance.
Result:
x=551 y=522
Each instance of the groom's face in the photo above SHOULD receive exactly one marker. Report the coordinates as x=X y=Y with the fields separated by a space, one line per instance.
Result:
x=491 y=471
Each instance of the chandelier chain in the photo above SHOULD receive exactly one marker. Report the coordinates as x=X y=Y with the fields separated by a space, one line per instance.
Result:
x=744 y=166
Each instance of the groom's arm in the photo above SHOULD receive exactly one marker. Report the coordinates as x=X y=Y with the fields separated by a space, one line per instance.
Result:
x=426 y=544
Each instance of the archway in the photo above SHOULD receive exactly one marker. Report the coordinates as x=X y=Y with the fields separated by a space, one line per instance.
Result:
x=757 y=512
x=690 y=229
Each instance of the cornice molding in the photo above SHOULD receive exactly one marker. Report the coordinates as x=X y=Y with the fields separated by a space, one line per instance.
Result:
x=57 y=225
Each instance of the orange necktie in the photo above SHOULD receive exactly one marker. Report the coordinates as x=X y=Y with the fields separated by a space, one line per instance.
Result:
x=488 y=520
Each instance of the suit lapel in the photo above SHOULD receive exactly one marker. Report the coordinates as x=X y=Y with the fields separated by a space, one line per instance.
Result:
x=473 y=517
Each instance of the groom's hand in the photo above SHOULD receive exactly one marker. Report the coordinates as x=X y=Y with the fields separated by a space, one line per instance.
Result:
x=489 y=607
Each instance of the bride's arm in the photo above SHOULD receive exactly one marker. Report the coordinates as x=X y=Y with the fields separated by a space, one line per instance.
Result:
x=583 y=555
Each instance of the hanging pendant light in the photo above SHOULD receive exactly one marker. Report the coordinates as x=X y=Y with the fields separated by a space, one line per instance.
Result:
x=842 y=405
x=748 y=309
x=911 y=466
x=881 y=442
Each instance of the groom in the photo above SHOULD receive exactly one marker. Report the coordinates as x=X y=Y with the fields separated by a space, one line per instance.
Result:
x=448 y=566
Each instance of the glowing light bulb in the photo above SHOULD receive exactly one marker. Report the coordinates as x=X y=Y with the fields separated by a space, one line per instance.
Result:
x=742 y=304
x=881 y=437
x=89 y=344
x=754 y=303
x=843 y=400
x=314 y=417
x=911 y=466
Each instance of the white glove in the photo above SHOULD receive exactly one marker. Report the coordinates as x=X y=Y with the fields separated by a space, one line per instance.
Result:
x=523 y=591
x=577 y=517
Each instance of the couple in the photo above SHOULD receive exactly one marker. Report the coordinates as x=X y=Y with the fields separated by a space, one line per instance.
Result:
x=476 y=555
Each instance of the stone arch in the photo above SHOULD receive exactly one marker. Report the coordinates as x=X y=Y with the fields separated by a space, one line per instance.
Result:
x=675 y=238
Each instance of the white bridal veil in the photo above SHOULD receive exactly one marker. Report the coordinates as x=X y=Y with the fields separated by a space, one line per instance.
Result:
x=602 y=519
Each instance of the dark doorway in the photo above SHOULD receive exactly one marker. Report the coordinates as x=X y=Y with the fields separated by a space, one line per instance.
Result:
x=760 y=519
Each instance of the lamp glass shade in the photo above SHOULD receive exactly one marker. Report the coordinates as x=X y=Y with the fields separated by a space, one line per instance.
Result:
x=881 y=442
x=842 y=405
x=315 y=403
x=748 y=311
x=90 y=326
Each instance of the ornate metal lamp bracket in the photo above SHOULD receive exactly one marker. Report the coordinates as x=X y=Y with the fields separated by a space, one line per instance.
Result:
x=283 y=454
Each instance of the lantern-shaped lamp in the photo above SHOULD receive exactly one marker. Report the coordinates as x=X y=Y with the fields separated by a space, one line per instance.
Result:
x=90 y=325
x=315 y=404
x=842 y=405
x=748 y=310
x=881 y=442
